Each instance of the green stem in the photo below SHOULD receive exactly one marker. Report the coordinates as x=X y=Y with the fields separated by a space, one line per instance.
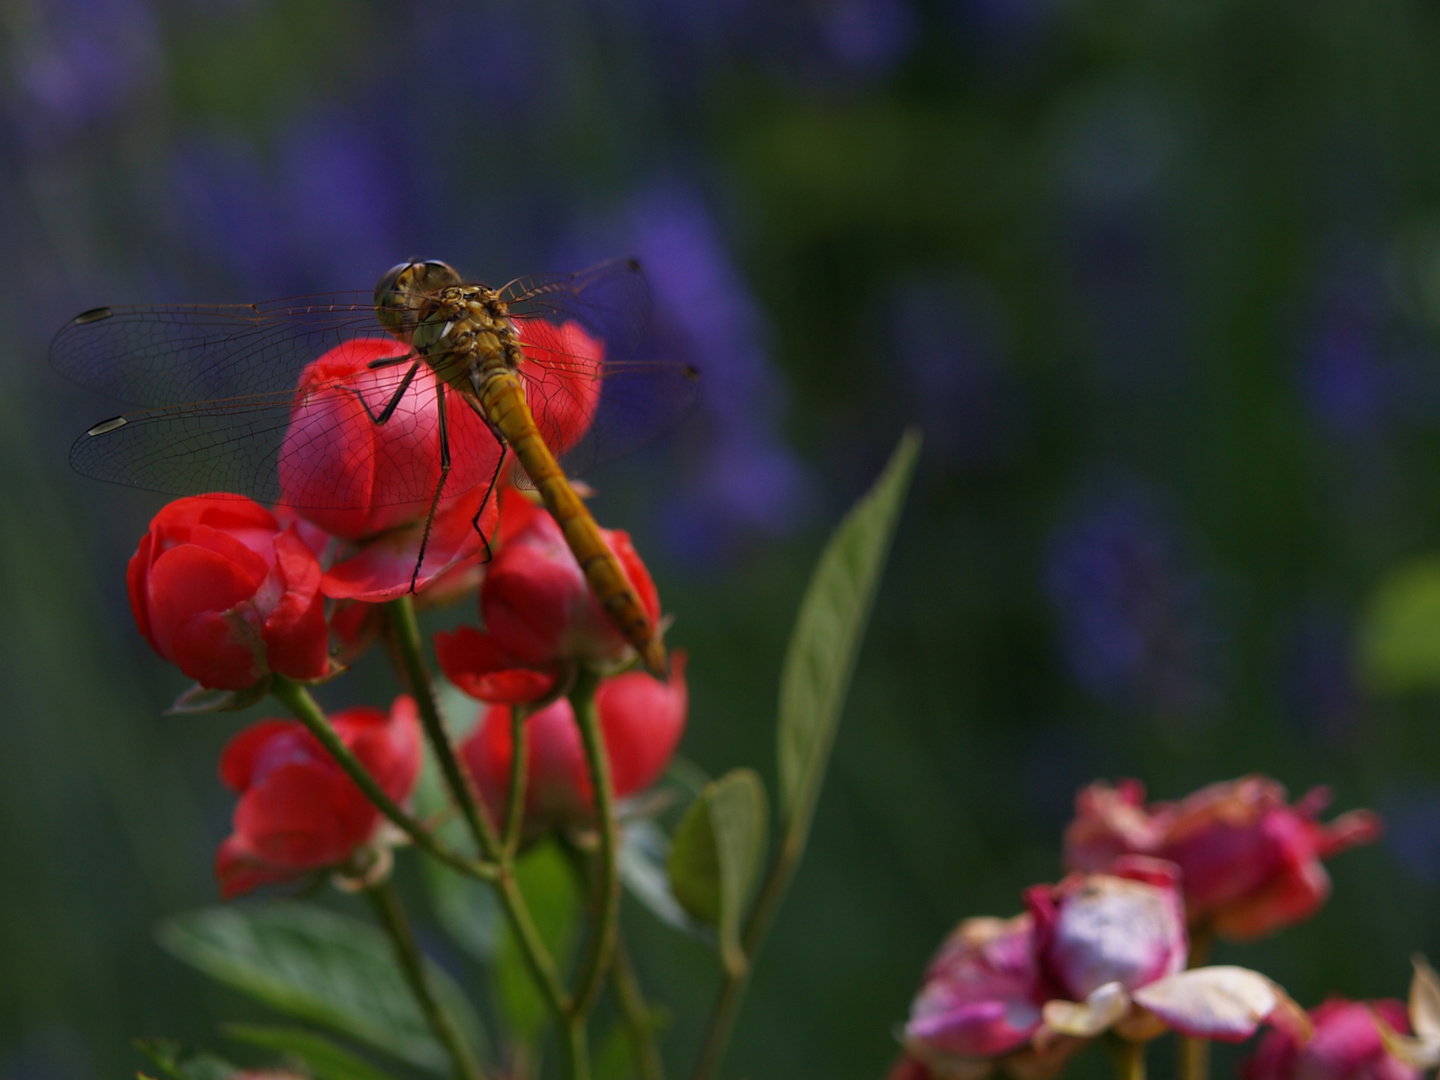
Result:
x=1193 y=1055
x=519 y=767
x=303 y=707
x=576 y=1051
x=733 y=984
x=462 y=788
x=412 y=964
x=607 y=889
x=1128 y=1058
x=537 y=956
x=637 y=1016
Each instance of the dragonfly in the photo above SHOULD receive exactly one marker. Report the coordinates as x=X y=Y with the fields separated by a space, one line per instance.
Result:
x=535 y=366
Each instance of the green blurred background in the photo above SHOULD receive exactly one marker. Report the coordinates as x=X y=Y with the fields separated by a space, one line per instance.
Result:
x=1160 y=280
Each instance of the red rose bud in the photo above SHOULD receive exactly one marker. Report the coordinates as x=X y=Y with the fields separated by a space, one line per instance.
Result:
x=372 y=484
x=221 y=591
x=641 y=721
x=1250 y=863
x=1345 y=1045
x=538 y=610
x=298 y=811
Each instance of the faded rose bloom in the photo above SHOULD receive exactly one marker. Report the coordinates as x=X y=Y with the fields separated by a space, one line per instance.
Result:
x=538 y=610
x=227 y=595
x=1094 y=953
x=1250 y=862
x=1127 y=927
x=1346 y=1045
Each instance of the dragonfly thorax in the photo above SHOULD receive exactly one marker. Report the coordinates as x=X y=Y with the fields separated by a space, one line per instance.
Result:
x=466 y=330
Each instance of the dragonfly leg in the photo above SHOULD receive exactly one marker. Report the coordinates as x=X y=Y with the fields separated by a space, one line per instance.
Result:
x=394 y=402
x=444 y=471
x=389 y=361
x=489 y=491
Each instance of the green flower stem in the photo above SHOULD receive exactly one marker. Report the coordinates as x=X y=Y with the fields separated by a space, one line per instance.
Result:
x=639 y=1022
x=462 y=789
x=733 y=984
x=519 y=765
x=303 y=707
x=1127 y=1057
x=1192 y=1056
x=537 y=956
x=574 y=1048
x=607 y=889
x=412 y=964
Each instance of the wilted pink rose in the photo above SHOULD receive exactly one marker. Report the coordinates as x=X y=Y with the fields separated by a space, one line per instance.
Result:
x=1125 y=927
x=1345 y=1045
x=982 y=992
x=1250 y=863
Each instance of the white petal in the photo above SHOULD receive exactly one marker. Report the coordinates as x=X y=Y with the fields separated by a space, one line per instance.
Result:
x=1226 y=1003
x=1104 y=1006
x=1425 y=1001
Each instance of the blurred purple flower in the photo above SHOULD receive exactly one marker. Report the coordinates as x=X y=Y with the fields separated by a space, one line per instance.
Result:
x=493 y=54
x=324 y=217
x=1412 y=830
x=951 y=338
x=868 y=37
x=1318 y=689
x=748 y=480
x=1345 y=379
x=1130 y=606
x=79 y=61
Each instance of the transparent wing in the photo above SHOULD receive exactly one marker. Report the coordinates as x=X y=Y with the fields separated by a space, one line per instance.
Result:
x=590 y=381
x=159 y=356
x=610 y=300
x=311 y=446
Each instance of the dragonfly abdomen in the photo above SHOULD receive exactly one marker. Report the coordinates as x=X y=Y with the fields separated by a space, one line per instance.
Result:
x=503 y=398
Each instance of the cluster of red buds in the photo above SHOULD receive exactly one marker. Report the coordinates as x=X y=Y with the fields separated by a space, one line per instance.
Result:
x=237 y=595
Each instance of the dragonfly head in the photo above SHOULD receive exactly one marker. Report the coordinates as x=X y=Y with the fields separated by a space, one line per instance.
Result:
x=405 y=287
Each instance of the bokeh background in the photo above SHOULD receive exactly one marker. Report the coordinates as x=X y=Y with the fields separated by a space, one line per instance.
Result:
x=1161 y=281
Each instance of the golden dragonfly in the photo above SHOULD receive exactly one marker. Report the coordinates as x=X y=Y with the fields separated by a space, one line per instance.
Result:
x=551 y=367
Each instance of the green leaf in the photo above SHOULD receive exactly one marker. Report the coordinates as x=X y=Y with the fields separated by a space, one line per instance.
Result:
x=1399 y=639
x=548 y=884
x=828 y=630
x=322 y=967
x=716 y=856
x=644 y=852
x=177 y=1062
x=321 y=1058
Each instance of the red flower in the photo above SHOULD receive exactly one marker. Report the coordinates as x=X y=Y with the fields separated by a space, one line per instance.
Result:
x=563 y=393
x=298 y=811
x=1345 y=1046
x=538 y=610
x=1250 y=863
x=372 y=484
x=641 y=721
x=220 y=590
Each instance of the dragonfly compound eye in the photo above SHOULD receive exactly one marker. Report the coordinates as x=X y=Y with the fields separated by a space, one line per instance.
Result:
x=400 y=291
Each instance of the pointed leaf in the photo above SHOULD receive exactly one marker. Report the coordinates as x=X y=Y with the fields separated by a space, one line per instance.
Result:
x=178 y=1062
x=321 y=1057
x=644 y=851
x=319 y=966
x=716 y=856
x=827 y=635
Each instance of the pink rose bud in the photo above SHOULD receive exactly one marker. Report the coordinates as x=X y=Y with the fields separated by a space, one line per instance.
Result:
x=1126 y=927
x=1250 y=863
x=1346 y=1045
